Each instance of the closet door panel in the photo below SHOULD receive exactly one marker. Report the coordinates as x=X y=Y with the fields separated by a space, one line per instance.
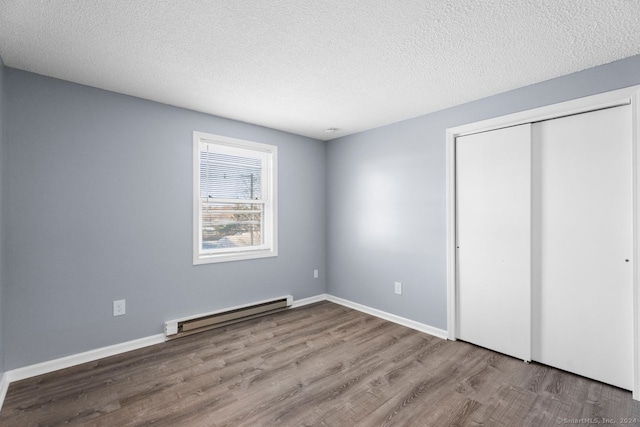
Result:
x=493 y=182
x=582 y=218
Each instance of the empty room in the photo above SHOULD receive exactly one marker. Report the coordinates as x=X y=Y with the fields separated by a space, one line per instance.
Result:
x=319 y=213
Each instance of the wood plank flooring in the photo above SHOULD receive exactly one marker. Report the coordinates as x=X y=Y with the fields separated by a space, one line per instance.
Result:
x=320 y=365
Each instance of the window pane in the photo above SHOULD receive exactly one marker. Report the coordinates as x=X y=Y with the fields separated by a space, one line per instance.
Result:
x=230 y=177
x=231 y=225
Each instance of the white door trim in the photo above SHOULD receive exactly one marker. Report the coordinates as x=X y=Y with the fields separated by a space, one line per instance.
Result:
x=630 y=95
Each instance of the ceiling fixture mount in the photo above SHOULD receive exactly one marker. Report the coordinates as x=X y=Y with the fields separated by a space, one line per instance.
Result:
x=331 y=130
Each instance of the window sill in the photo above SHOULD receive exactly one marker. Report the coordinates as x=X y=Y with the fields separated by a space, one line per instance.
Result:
x=235 y=256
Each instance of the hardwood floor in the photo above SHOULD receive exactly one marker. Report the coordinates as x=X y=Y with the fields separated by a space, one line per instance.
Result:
x=323 y=365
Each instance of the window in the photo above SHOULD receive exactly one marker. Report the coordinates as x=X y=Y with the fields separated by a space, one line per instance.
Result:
x=234 y=199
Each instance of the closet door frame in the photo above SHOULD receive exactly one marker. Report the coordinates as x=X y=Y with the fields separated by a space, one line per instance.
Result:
x=626 y=96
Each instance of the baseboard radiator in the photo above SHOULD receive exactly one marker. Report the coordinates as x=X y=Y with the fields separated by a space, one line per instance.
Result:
x=216 y=319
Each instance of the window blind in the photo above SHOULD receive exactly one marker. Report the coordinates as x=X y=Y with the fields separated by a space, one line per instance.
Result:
x=225 y=176
x=224 y=179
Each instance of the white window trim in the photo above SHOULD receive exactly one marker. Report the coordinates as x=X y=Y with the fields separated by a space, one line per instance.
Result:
x=270 y=248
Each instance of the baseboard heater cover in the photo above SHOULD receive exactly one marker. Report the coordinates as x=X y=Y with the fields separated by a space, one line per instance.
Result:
x=216 y=319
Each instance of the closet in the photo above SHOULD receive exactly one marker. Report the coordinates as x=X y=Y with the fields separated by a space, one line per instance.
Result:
x=543 y=235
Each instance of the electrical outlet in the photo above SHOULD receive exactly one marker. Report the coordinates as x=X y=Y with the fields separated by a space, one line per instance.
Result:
x=119 y=307
x=398 y=288
x=315 y=274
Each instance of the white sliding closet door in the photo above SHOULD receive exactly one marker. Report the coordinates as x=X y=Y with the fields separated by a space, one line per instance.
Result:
x=582 y=253
x=493 y=187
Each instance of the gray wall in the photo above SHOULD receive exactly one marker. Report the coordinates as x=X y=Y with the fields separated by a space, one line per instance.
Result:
x=386 y=205
x=98 y=197
x=2 y=95
x=97 y=207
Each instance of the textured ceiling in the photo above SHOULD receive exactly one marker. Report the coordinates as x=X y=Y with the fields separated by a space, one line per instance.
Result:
x=305 y=66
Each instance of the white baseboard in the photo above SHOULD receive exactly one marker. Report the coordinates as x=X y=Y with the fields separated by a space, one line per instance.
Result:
x=112 y=350
x=311 y=300
x=73 y=360
x=4 y=386
x=80 y=358
x=422 y=327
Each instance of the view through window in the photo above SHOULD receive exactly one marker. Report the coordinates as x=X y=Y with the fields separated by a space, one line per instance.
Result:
x=235 y=199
